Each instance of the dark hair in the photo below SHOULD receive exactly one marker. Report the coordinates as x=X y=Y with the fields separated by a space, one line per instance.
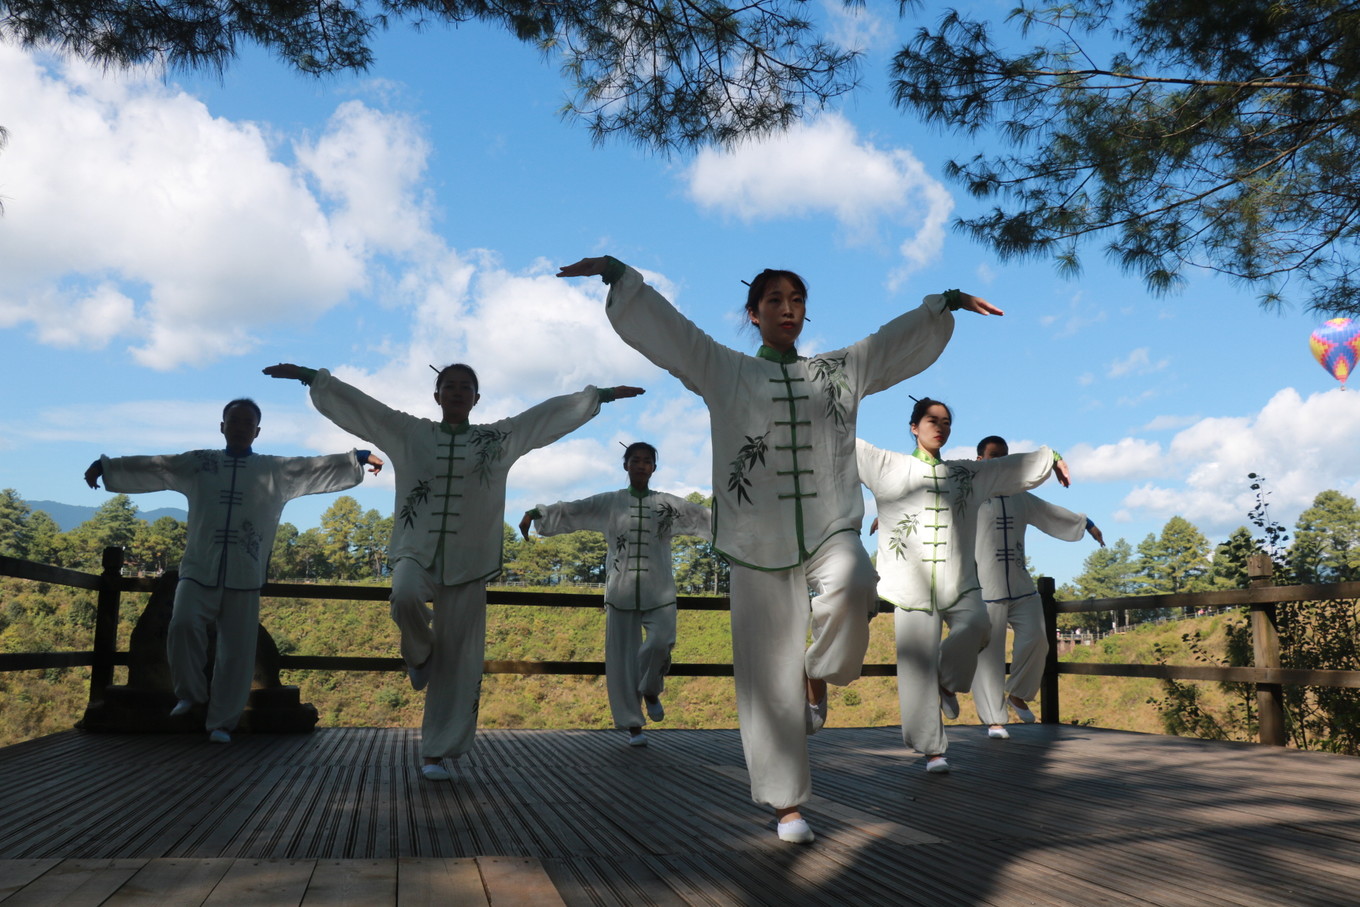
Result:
x=992 y=439
x=919 y=410
x=458 y=366
x=247 y=402
x=636 y=446
x=757 y=286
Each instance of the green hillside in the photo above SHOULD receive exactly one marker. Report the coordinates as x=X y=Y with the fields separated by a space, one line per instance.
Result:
x=36 y=618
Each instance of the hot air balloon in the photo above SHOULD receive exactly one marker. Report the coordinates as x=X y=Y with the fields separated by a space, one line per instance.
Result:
x=1336 y=346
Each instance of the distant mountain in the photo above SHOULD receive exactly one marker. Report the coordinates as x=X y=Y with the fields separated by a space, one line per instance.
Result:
x=69 y=516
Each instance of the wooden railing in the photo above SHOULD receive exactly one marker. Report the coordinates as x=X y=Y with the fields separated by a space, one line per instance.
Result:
x=1261 y=600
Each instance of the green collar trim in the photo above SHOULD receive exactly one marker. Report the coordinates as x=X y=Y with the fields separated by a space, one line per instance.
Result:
x=639 y=494
x=774 y=355
x=926 y=458
x=458 y=429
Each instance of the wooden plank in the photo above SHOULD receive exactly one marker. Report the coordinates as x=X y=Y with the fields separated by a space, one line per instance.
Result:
x=352 y=883
x=75 y=883
x=173 y=881
x=438 y=882
x=15 y=874
x=518 y=882
x=262 y=883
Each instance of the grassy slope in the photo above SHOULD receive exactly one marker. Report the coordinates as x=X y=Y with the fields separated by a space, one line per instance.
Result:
x=40 y=702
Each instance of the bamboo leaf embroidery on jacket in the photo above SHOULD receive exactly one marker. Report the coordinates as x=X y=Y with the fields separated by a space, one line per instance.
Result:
x=490 y=444
x=830 y=371
x=411 y=509
x=752 y=452
x=905 y=528
x=250 y=539
x=666 y=515
x=208 y=461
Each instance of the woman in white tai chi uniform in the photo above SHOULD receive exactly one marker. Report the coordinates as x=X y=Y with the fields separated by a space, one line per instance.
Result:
x=927 y=511
x=1011 y=598
x=787 y=508
x=447 y=534
x=638 y=524
x=235 y=499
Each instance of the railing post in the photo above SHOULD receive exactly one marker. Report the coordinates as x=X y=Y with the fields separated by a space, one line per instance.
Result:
x=1048 y=688
x=106 y=623
x=1265 y=644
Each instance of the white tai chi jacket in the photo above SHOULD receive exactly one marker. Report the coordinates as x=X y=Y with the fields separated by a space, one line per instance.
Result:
x=783 y=426
x=1000 y=551
x=450 y=495
x=927 y=512
x=234 y=503
x=638 y=528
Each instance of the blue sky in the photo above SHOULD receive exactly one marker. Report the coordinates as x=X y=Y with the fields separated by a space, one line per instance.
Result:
x=165 y=237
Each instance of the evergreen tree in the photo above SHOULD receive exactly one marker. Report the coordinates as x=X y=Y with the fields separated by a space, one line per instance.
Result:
x=14 y=531
x=1175 y=561
x=1326 y=545
x=1182 y=133
x=1229 y=569
x=661 y=73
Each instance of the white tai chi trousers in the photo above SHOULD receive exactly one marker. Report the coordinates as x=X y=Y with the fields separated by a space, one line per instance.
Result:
x=771 y=616
x=452 y=641
x=1028 y=652
x=924 y=664
x=636 y=667
x=236 y=612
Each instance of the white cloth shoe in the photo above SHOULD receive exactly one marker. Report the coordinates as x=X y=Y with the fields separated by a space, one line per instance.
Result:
x=219 y=736
x=949 y=703
x=637 y=738
x=1023 y=712
x=937 y=766
x=183 y=707
x=419 y=676
x=655 y=710
x=435 y=772
x=998 y=733
x=795 y=832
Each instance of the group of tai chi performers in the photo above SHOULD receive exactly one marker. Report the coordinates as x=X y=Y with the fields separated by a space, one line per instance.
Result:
x=787 y=513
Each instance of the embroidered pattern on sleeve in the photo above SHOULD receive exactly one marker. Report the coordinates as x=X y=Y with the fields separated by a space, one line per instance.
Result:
x=751 y=452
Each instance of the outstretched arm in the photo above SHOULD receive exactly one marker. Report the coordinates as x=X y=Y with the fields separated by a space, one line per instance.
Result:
x=375 y=463
x=526 y=522
x=285 y=370
x=1095 y=533
x=970 y=303
x=624 y=390
x=586 y=267
x=93 y=474
x=1063 y=473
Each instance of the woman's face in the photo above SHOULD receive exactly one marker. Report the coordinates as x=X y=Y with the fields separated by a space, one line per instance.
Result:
x=779 y=315
x=932 y=432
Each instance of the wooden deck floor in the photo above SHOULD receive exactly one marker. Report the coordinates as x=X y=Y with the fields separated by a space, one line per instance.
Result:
x=1057 y=815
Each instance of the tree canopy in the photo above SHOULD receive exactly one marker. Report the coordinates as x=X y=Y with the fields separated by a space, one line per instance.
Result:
x=677 y=72
x=1181 y=133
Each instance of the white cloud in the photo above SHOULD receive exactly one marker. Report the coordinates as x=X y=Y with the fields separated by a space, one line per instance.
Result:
x=1137 y=362
x=1303 y=446
x=825 y=166
x=134 y=213
x=855 y=27
x=1078 y=315
x=1125 y=459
